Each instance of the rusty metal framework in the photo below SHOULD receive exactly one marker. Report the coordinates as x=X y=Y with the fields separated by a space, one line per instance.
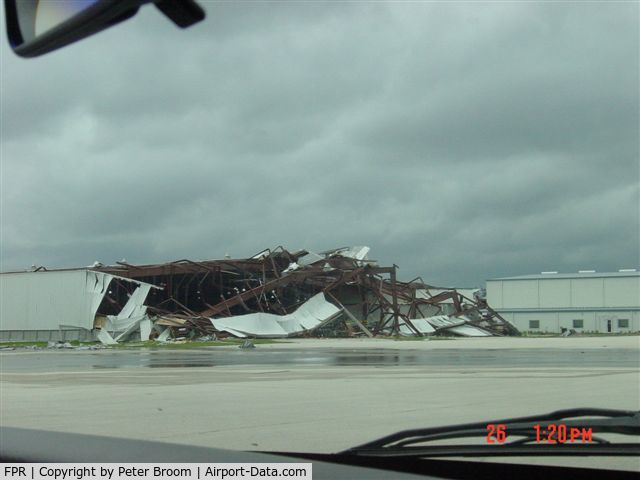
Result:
x=372 y=300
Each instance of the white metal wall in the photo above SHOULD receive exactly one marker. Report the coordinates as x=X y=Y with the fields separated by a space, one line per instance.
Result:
x=593 y=321
x=46 y=300
x=608 y=292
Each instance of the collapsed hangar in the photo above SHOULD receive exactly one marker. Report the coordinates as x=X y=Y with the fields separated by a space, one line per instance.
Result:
x=273 y=294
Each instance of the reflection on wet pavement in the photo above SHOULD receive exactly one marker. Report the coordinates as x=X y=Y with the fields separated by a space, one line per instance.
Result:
x=325 y=358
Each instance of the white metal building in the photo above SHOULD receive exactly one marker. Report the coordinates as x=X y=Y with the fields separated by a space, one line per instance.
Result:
x=585 y=301
x=64 y=304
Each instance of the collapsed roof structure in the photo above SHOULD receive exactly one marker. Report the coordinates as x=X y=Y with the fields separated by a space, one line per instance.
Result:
x=277 y=293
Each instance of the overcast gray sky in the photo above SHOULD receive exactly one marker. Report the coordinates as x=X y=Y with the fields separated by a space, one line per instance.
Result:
x=461 y=141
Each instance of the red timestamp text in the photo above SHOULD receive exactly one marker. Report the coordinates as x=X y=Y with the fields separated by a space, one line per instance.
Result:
x=496 y=433
x=561 y=433
x=552 y=433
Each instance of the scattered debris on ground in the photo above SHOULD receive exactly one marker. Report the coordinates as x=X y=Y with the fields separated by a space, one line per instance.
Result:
x=566 y=332
x=247 y=344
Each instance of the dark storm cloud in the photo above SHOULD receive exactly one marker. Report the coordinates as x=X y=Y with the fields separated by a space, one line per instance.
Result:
x=460 y=141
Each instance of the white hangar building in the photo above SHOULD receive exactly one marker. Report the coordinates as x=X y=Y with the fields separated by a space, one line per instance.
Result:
x=586 y=301
x=71 y=304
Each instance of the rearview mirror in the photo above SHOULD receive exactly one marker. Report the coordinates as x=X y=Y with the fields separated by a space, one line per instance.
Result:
x=36 y=27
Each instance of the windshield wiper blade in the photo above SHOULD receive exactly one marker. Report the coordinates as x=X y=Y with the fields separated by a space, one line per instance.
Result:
x=528 y=440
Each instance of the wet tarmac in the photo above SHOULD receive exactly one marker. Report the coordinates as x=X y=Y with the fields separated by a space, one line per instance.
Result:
x=211 y=358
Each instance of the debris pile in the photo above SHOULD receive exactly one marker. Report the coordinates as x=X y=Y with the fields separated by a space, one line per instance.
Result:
x=277 y=293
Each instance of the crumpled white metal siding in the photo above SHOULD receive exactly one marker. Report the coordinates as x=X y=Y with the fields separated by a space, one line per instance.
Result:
x=420 y=324
x=311 y=314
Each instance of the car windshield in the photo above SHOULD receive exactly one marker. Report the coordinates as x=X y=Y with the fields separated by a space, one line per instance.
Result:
x=301 y=226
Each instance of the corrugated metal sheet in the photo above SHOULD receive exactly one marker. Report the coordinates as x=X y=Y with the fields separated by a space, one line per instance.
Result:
x=45 y=300
x=311 y=314
x=421 y=324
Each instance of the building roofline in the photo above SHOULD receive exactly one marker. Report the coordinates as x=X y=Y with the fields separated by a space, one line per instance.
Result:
x=51 y=270
x=569 y=276
x=567 y=309
x=84 y=269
